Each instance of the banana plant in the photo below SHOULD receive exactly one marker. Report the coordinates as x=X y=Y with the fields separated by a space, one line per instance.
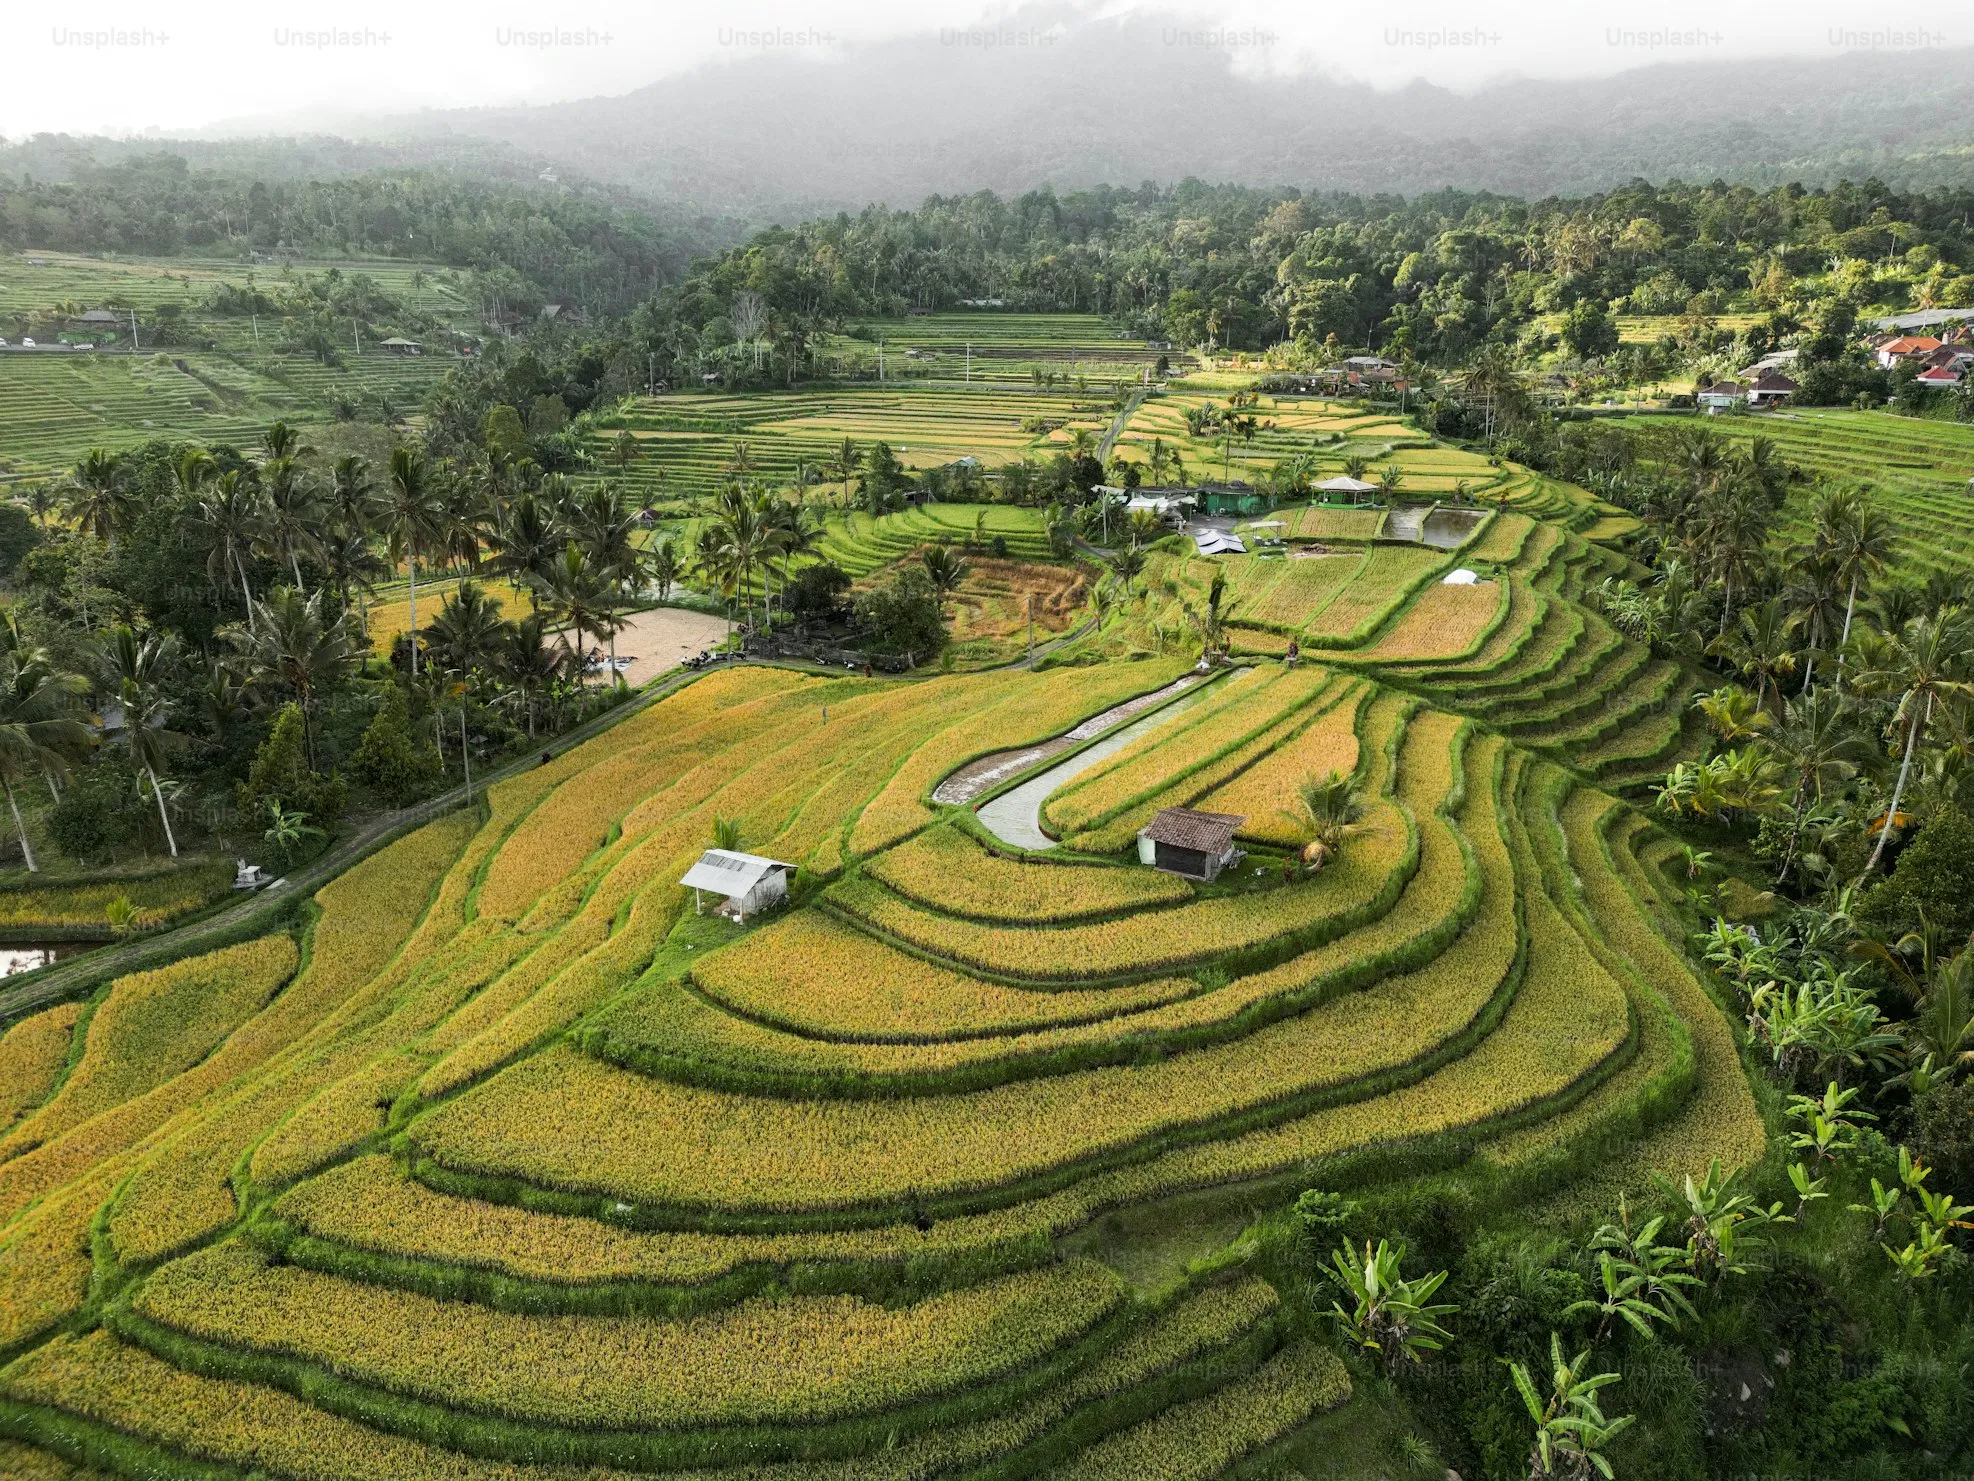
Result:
x=1831 y=1124
x=1571 y=1431
x=1641 y=1277
x=1883 y=1206
x=1391 y=1315
x=1808 y=1187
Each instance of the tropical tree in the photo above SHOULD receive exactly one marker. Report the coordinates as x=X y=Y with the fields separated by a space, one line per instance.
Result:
x=583 y=600
x=945 y=570
x=412 y=518
x=525 y=542
x=95 y=496
x=1390 y=1315
x=1335 y=804
x=137 y=673
x=39 y=732
x=1857 y=541
x=530 y=664
x=352 y=494
x=1923 y=665
x=294 y=514
x=1571 y=1431
x=665 y=567
x=468 y=633
x=1820 y=746
x=293 y=644
x=228 y=513
x=1762 y=648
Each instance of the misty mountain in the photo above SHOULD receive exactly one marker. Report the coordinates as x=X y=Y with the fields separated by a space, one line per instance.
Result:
x=1117 y=101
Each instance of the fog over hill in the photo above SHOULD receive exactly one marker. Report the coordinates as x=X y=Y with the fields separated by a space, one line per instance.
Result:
x=1087 y=101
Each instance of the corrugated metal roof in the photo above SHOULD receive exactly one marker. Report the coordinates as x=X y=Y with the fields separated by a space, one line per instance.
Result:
x=730 y=872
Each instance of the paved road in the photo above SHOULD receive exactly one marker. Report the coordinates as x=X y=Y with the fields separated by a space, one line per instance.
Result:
x=30 y=991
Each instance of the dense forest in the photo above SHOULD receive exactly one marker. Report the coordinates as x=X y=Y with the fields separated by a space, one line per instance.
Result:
x=551 y=243
x=1435 y=277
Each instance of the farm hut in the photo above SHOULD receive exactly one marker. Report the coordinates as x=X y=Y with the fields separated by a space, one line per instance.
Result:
x=1219 y=542
x=747 y=882
x=1197 y=845
x=1344 y=489
x=1721 y=396
x=97 y=316
x=402 y=346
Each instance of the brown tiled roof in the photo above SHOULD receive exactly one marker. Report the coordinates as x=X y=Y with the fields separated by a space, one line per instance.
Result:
x=1773 y=382
x=1206 y=832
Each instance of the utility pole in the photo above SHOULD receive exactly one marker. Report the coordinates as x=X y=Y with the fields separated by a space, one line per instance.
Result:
x=651 y=375
x=356 y=338
x=133 y=331
x=256 y=319
x=880 y=361
x=1031 y=628
x=465 y=753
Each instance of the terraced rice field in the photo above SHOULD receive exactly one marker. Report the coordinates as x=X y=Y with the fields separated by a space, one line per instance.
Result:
x=1292 y=425
x=1004 y=346
x=690 y=443
x=509 y=1164
x=1918 y=469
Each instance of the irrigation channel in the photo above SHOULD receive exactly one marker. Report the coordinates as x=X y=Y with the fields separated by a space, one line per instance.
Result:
x=1015 y=817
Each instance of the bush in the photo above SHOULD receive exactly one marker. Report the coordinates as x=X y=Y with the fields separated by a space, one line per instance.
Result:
x=389 y=757
x=817 y=590
x=1935 y=874
x=281 y=771
x=902 y=617
x=101 y=811
x=17 y=536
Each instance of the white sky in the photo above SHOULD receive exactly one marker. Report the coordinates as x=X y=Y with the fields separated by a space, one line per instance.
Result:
x=116 y=66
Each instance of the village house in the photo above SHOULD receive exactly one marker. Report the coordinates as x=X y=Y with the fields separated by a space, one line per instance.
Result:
x=1770 y=389
x=1905 y=347
x=1196 y=845
x=1721 y=396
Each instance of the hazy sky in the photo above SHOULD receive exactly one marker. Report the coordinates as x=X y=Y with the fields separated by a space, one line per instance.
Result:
x=84 y=66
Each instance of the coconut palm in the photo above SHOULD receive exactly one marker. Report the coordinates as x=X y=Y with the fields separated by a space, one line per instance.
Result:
x=137 y=672
x=293 y=513
x=353 y=565
x=583 y=599
x=529 y=663
x=468 y=633
x=39 y=732
x=228 y=513
x=1335 y=804
x=1924 y=664
x=281 y=441
x=1820 y=746
x=412 y=518
x=1763 y=649
x=665 y=567
x=945 y=570
x=1857 y=541
x=291 y=644
x=524 y=544
x=352 y=500
x=96 y=498
x=603 y=523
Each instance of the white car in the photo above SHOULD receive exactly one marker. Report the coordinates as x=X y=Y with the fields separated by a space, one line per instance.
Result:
x=28 y=344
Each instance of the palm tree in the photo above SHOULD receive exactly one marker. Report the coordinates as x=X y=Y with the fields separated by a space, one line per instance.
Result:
x=1858 y=542
x=1821 y=747
x=412 y=519
x=138 y=671
x=281 y=441
x=353 y=565
x=945 y=569
x=41 y=502
x=191 y=471
x=469 y=631
x=1761 y=649
x=845 y=463
x=294 y=512
x=96 y=498
x=1814 y=598
x=229 y=515
x=1335 y=804
x=289 y=643
x=530 y=663
x=1924 y=664
x=583 y=599
x=666 y=567
x=605 y=525
x=38 y=729
x=524 y=544
x=352 y=494
x=740 y=536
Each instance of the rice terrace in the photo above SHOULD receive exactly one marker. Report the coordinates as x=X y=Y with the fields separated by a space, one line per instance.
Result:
x=1134 y=834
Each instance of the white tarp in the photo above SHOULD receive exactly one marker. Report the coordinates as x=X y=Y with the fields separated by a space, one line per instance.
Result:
x=1461 y=577
x=1219 y=542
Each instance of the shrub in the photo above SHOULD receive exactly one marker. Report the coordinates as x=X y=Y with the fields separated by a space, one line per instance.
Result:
x=1934 y=874
x=101 y=811
x=390 y=758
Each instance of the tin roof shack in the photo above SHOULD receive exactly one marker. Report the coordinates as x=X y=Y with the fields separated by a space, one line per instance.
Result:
x=749 y=883
x=1196 y=845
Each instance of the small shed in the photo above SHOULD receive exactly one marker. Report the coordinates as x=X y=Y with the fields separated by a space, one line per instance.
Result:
x=1343 y=487
x=399 y=346
x=1197 y=845
x=1219 y=542
x=748 y=882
